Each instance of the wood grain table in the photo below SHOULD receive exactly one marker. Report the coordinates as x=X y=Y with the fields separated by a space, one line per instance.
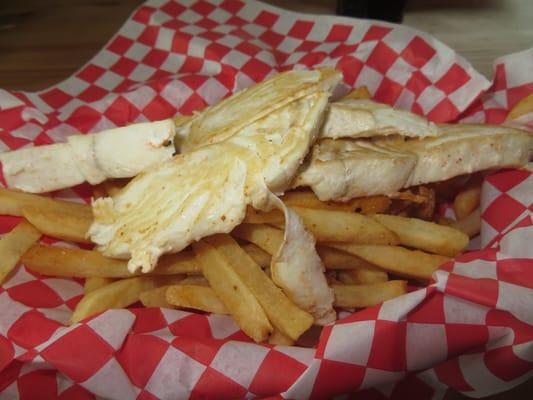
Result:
x=44 y=42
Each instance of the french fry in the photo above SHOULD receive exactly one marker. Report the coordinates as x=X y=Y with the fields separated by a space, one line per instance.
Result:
x=78 y=263
x=282 y=313
x=466 y=202
x=424 y=235
x=233 y=293
x=260 y=217
x=196 y=297
x=360 y=93
x=119 y=294
x=337 y=259
x=194 y=280
x=59 y=225
x=14 y=244
x=361 y=276
x=398 y=260
x=471 y=224
x=155 y=297
x=91 y=284
x=265 y=237
x=261 y=257
x=12 y=202
x=279 y=339
x=524 y=106
x=339 y=226
x=363 y=205
x=358 y=296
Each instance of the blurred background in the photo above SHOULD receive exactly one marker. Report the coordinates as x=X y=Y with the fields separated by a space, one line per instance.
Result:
x=44 y=41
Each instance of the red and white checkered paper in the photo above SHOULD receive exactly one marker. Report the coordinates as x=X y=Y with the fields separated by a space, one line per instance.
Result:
x=470 y=330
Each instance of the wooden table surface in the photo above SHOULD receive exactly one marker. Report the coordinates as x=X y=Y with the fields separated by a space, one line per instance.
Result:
x=43 y=42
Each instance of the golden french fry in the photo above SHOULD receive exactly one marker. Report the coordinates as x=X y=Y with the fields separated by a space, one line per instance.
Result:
x=279 y=339
x=363 y=205
x=119 y=294
x=340 y=226
x=260 y=217
x=59 y=225
x=78 y=263
x=524 y=106
x=12 y=202
x=337 y=259
x=361 y=276
x=284 y=315
x=194 y=280
x=261 y=257
x=331 y=277
x=265 y=237
x=466 y=202
x=357 y=296
x=471 y=224
x=360 y=93
x=155 y=297
x=14 y=244
x=196 y=297
x=398 y=260
x=234 y=294
x=96 y=283
x=445 y=221
x=424 y=235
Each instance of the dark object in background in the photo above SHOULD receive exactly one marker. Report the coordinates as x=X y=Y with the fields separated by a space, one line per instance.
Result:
x=385 y=10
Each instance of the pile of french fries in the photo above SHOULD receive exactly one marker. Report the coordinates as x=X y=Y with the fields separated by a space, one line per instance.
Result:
x=371 y=248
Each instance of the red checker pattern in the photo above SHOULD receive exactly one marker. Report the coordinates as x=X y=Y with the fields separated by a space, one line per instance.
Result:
x=276 y=364
x=503 y=211
x=81 y=343
x=255 y=42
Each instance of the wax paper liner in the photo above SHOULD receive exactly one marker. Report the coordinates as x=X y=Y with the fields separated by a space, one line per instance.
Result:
x=470 y=330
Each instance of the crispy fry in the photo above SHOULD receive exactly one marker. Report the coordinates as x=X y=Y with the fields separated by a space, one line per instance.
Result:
x=361 y=276
x=425 y=235
x=471 y=225
x=363 y=205
x=194 y=280
x=156 y=297
x=337 y=259
x=234 y=294
x=12 y=202
x=523 y=107
x=356 y=296
x=260 y=217
x=339 y=226
x=78 y=263
x=96 y=283
x=14 y=244
x=59 y=225
x=279 y=339
x=261 y=257
x=331 y=277
x=466 y=202
x=398 y=260
x=360 y=93
x=196 y=297
x=265 y=237
x=284 y=315
x=427 y=209
x=119 y=294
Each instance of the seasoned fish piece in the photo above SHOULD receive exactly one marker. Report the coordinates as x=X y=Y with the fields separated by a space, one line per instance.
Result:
x=357 y=118
x=344 y=169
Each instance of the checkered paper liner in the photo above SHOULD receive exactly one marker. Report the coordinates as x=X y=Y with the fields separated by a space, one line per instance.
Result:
x=470 y=330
